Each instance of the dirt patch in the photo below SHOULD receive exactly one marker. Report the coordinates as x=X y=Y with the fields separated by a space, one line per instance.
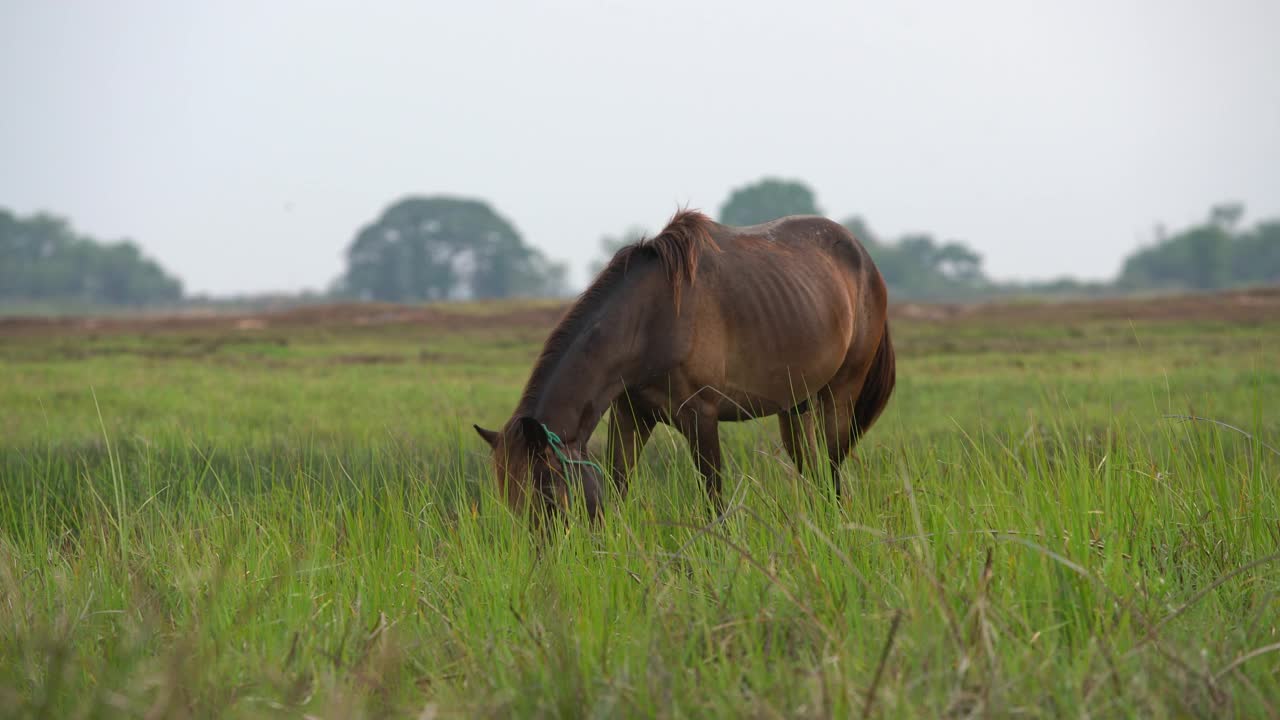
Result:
x=1253 y=305
x=1244 y=306
x=253 y=325
x=367 y=360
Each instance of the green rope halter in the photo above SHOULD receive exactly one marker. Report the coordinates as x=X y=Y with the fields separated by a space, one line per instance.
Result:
x=557 y=446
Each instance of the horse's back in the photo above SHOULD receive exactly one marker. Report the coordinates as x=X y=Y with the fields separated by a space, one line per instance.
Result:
x=806 y=255
x=782 y=294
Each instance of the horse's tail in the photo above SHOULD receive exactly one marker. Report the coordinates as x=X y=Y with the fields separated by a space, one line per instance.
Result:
x=878 y=386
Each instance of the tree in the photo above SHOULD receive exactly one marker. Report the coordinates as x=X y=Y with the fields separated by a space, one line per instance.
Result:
x=1255 y=259
x=918 y=267
x=436 y=248
x=611 y=244
x=1226 y=215
x=1198 y=258
x=862 y=231
x=43 y=259
x=766 y=200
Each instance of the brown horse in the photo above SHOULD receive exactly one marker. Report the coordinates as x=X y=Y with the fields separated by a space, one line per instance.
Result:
x=701 y=324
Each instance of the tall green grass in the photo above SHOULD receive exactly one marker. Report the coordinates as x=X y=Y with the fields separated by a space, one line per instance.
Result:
x=1024 y=533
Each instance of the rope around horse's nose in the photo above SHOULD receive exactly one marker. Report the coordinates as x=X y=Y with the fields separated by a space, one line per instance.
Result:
x=557 y=446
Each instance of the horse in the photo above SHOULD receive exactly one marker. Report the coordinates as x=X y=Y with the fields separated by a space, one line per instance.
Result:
x=704 y=323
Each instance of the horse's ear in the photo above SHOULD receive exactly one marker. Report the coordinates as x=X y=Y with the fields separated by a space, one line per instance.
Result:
x=534 y=433
x=490 y=436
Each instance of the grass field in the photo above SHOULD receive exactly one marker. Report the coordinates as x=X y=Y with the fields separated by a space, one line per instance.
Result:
x=289 y=516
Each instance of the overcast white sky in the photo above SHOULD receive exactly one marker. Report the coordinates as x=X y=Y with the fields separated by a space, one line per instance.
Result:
x=242 y=144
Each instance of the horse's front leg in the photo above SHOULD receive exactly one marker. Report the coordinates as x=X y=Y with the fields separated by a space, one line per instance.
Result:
x=702 y=430
x=628 y=432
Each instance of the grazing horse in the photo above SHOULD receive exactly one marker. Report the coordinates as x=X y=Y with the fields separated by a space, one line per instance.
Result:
x=700 y=324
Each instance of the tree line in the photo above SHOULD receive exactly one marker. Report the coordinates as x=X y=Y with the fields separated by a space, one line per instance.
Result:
x=446 y=248
x=43 y=260
x=1215 y=254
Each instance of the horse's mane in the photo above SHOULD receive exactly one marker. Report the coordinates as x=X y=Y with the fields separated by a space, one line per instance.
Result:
x=678 y=248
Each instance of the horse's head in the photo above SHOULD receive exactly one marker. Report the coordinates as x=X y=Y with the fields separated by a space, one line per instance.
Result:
x=535 y=469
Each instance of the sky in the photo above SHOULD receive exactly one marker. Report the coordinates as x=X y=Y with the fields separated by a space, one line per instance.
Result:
x=243 y=144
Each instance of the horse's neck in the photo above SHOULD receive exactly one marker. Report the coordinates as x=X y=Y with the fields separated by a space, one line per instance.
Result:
x=577 y=393
x=593 y=368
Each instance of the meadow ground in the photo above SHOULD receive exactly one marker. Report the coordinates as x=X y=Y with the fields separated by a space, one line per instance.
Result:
x=289 y=515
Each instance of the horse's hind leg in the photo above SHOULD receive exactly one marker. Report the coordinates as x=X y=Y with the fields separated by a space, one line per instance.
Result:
x=799 y=439
x=837 y=407
x=847 y=414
